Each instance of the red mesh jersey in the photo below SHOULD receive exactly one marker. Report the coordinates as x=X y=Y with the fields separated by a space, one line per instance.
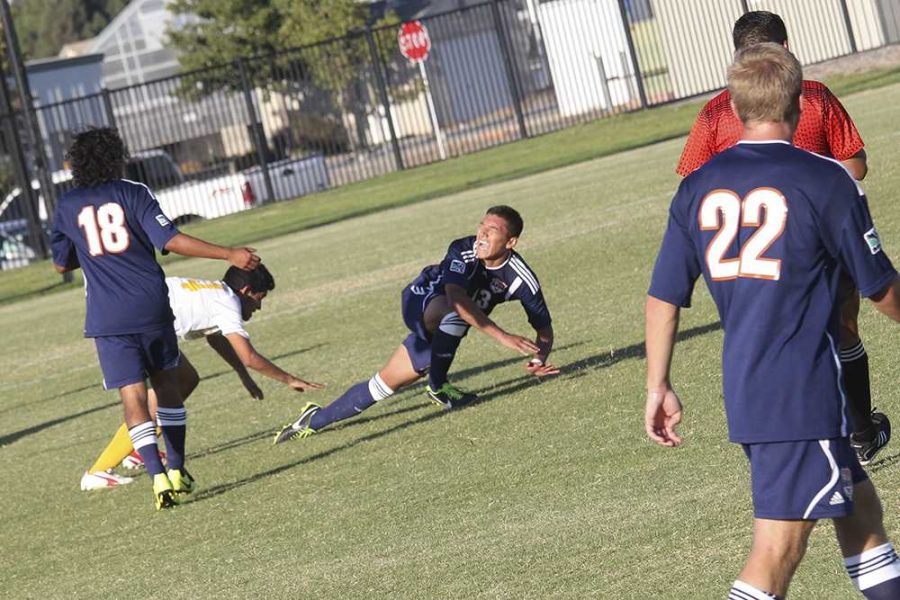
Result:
x=825 y=128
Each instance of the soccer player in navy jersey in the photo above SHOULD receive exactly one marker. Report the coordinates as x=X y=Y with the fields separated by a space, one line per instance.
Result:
x=439 y=306
x=772 y=228
x=824 y=128
x=109 y=227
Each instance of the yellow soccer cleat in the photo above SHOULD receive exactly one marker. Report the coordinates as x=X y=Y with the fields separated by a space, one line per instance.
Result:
x=182 y=481
x=163 y=492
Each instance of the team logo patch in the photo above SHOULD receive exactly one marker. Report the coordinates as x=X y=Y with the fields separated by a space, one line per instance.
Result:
x=847 y=482
x=457 y=266
x=162 y=220
x=872 y=240
x=498 y=285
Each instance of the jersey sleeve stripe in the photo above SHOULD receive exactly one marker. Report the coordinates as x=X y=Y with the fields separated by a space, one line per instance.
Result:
x=525 y=273
x=517 y=282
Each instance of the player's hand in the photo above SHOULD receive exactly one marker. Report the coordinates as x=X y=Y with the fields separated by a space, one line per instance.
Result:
x=254 y=390
x=519 y=344
x=661 y=415
x=243 y=258
x=300 y=385
x=540 y=369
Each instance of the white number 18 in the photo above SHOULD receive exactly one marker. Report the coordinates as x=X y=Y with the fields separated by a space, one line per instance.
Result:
x=104 y=229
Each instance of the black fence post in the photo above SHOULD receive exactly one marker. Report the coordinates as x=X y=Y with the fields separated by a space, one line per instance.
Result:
x=259 y=134
x=629 y=39
x=108 y=108
x=745 y=7
x=17 y=154
x=510 y=68
x=851 y=37
x=378 y=66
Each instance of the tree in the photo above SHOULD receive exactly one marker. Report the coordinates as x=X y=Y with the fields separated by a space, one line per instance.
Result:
x=224 y=31
x=44 y=26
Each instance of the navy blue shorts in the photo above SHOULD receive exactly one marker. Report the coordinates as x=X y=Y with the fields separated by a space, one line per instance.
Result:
x=127 y=359
x=417 y=343
x=808 y=479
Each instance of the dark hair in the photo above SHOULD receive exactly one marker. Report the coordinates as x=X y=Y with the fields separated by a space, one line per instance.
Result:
x=259 y=279
x=511 y=216
x=757 y=27
x=97 y=155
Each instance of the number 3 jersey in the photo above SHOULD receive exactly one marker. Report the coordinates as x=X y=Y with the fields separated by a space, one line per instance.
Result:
x=110 y=231
x=488 y=287
x=771 y=227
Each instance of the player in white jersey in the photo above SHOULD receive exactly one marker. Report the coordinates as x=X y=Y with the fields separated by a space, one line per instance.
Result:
x=216 y=311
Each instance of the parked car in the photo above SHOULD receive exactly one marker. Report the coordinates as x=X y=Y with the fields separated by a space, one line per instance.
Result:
x=14 y=248
x=291 y=177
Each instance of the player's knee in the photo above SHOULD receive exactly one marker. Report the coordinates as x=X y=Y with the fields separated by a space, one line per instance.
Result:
x=453 y=324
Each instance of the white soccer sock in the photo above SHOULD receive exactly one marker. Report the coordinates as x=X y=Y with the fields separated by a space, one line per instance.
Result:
x=873 y=567
x=744 y=591
x=378 y=389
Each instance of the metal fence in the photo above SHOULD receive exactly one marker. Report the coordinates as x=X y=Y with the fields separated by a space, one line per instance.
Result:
x=269 y=128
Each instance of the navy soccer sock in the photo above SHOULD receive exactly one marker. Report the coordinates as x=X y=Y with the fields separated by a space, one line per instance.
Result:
x=855 y=365
x=444 y=343
x=355 y=400
x=876 y=572
x=173 y=422
x=143 y=438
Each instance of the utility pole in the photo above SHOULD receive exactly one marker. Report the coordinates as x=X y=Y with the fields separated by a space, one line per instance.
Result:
x=32 y=129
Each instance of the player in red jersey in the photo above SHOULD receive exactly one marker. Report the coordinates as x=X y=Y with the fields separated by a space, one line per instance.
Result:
x=826 y=129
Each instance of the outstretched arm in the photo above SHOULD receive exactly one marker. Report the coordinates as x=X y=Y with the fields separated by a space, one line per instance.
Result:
x=663 y=409
x=466 y=308
x=538 y=366
x=224 y=349
x=252 y=359
x=186 y=245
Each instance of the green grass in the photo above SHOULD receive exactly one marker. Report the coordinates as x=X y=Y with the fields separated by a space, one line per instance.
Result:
x=569 y=146
x=541 y=491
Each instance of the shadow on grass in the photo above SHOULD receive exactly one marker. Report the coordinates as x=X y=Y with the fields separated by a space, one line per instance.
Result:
x=17 y=435
x=497 y=391
x=884 y=463
x=511 y=386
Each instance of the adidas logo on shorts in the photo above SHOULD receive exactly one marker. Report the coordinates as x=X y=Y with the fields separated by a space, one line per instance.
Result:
x=836 y=498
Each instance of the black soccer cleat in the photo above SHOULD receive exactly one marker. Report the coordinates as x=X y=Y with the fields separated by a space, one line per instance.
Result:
x=866 y=451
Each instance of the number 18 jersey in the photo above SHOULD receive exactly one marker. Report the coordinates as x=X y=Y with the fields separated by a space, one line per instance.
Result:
x=771 y=227
x=110 y=231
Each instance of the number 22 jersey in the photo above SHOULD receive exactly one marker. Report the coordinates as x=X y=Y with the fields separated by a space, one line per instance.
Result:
x=771 y=227
x=110 y=231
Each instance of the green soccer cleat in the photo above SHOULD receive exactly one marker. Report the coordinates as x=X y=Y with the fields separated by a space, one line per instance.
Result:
x=163 y=492
x=300 y=428
x=448 y=397
x=182 y=481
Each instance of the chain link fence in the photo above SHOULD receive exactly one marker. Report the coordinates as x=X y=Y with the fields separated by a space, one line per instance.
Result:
x=269 y=128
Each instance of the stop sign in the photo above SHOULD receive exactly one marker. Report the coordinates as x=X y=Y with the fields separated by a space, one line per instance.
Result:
x=414 y=41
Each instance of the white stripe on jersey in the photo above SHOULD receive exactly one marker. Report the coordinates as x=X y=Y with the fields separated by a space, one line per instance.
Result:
x=525 y=273
x=512 y=288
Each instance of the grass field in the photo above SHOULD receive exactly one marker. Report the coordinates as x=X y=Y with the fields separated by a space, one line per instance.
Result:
x=540 y=491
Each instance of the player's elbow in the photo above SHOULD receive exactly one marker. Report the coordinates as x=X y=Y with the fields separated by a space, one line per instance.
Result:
x=61 y=268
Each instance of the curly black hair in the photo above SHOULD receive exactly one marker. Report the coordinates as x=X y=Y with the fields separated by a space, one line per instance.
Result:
x=259 y=279
x=97 y=155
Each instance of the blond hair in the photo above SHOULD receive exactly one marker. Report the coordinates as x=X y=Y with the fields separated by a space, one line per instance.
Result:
x=765 y=82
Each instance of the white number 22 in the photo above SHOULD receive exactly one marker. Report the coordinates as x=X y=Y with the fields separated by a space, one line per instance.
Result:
x=104 y=229
x=723 y=210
